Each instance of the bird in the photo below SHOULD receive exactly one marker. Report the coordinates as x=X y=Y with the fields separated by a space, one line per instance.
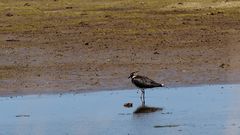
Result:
x=143 y=82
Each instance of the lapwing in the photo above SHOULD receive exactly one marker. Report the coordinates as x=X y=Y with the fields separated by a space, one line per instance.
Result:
x=143 y=82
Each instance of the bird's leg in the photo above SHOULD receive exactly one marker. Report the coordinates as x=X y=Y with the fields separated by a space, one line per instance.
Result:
x=143 y=97
x=138 y=90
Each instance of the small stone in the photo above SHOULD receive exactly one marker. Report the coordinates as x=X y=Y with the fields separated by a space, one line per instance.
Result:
x=128 y=105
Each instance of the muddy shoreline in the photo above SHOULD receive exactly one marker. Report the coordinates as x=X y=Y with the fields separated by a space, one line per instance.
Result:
x=71 y=47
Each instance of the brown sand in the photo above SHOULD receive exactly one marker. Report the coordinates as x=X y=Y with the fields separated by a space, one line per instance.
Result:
x=63 y=47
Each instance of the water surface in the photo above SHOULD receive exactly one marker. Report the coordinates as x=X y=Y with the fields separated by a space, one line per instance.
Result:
x=208 y=110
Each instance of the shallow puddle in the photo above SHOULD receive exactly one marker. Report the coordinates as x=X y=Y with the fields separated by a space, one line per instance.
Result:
x=208 y=110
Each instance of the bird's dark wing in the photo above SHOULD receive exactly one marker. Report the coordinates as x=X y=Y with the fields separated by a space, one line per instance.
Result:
x=145 y=82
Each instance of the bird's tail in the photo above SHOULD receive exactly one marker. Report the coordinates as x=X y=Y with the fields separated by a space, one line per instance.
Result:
x=161 y=85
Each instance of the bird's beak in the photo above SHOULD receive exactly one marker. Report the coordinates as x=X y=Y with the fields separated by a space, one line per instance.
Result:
x=129 y=77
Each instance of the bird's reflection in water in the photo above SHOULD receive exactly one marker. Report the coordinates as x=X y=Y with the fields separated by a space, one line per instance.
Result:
x=144 y=108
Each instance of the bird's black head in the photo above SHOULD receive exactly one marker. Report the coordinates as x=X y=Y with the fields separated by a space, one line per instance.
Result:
x=132 y=74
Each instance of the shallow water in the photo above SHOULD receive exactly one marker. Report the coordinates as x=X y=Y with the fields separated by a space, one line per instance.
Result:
x=208 y=110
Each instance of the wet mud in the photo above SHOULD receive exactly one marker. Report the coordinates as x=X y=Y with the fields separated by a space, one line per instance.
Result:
x=76 y=46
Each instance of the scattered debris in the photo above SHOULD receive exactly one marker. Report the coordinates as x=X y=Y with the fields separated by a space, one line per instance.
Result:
x=12 y=40
x=9 y=14
x=68 y=7
x=107 y=16
x=224 y=65
x=83 y=24
x=128 y=105
x=211 y=13
x=27 y=4
x=147 y=109
x=219 y=12
x=166 y=126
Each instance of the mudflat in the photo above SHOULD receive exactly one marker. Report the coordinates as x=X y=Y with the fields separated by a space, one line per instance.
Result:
x=86 y=45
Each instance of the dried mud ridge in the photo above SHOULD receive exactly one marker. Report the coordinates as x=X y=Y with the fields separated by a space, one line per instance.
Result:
x=72 y=47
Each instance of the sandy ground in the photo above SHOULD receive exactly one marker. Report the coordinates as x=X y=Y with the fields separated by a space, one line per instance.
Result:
x=78 y=45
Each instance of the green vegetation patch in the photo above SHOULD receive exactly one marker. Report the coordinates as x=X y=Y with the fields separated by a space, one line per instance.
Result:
x=25 y=15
